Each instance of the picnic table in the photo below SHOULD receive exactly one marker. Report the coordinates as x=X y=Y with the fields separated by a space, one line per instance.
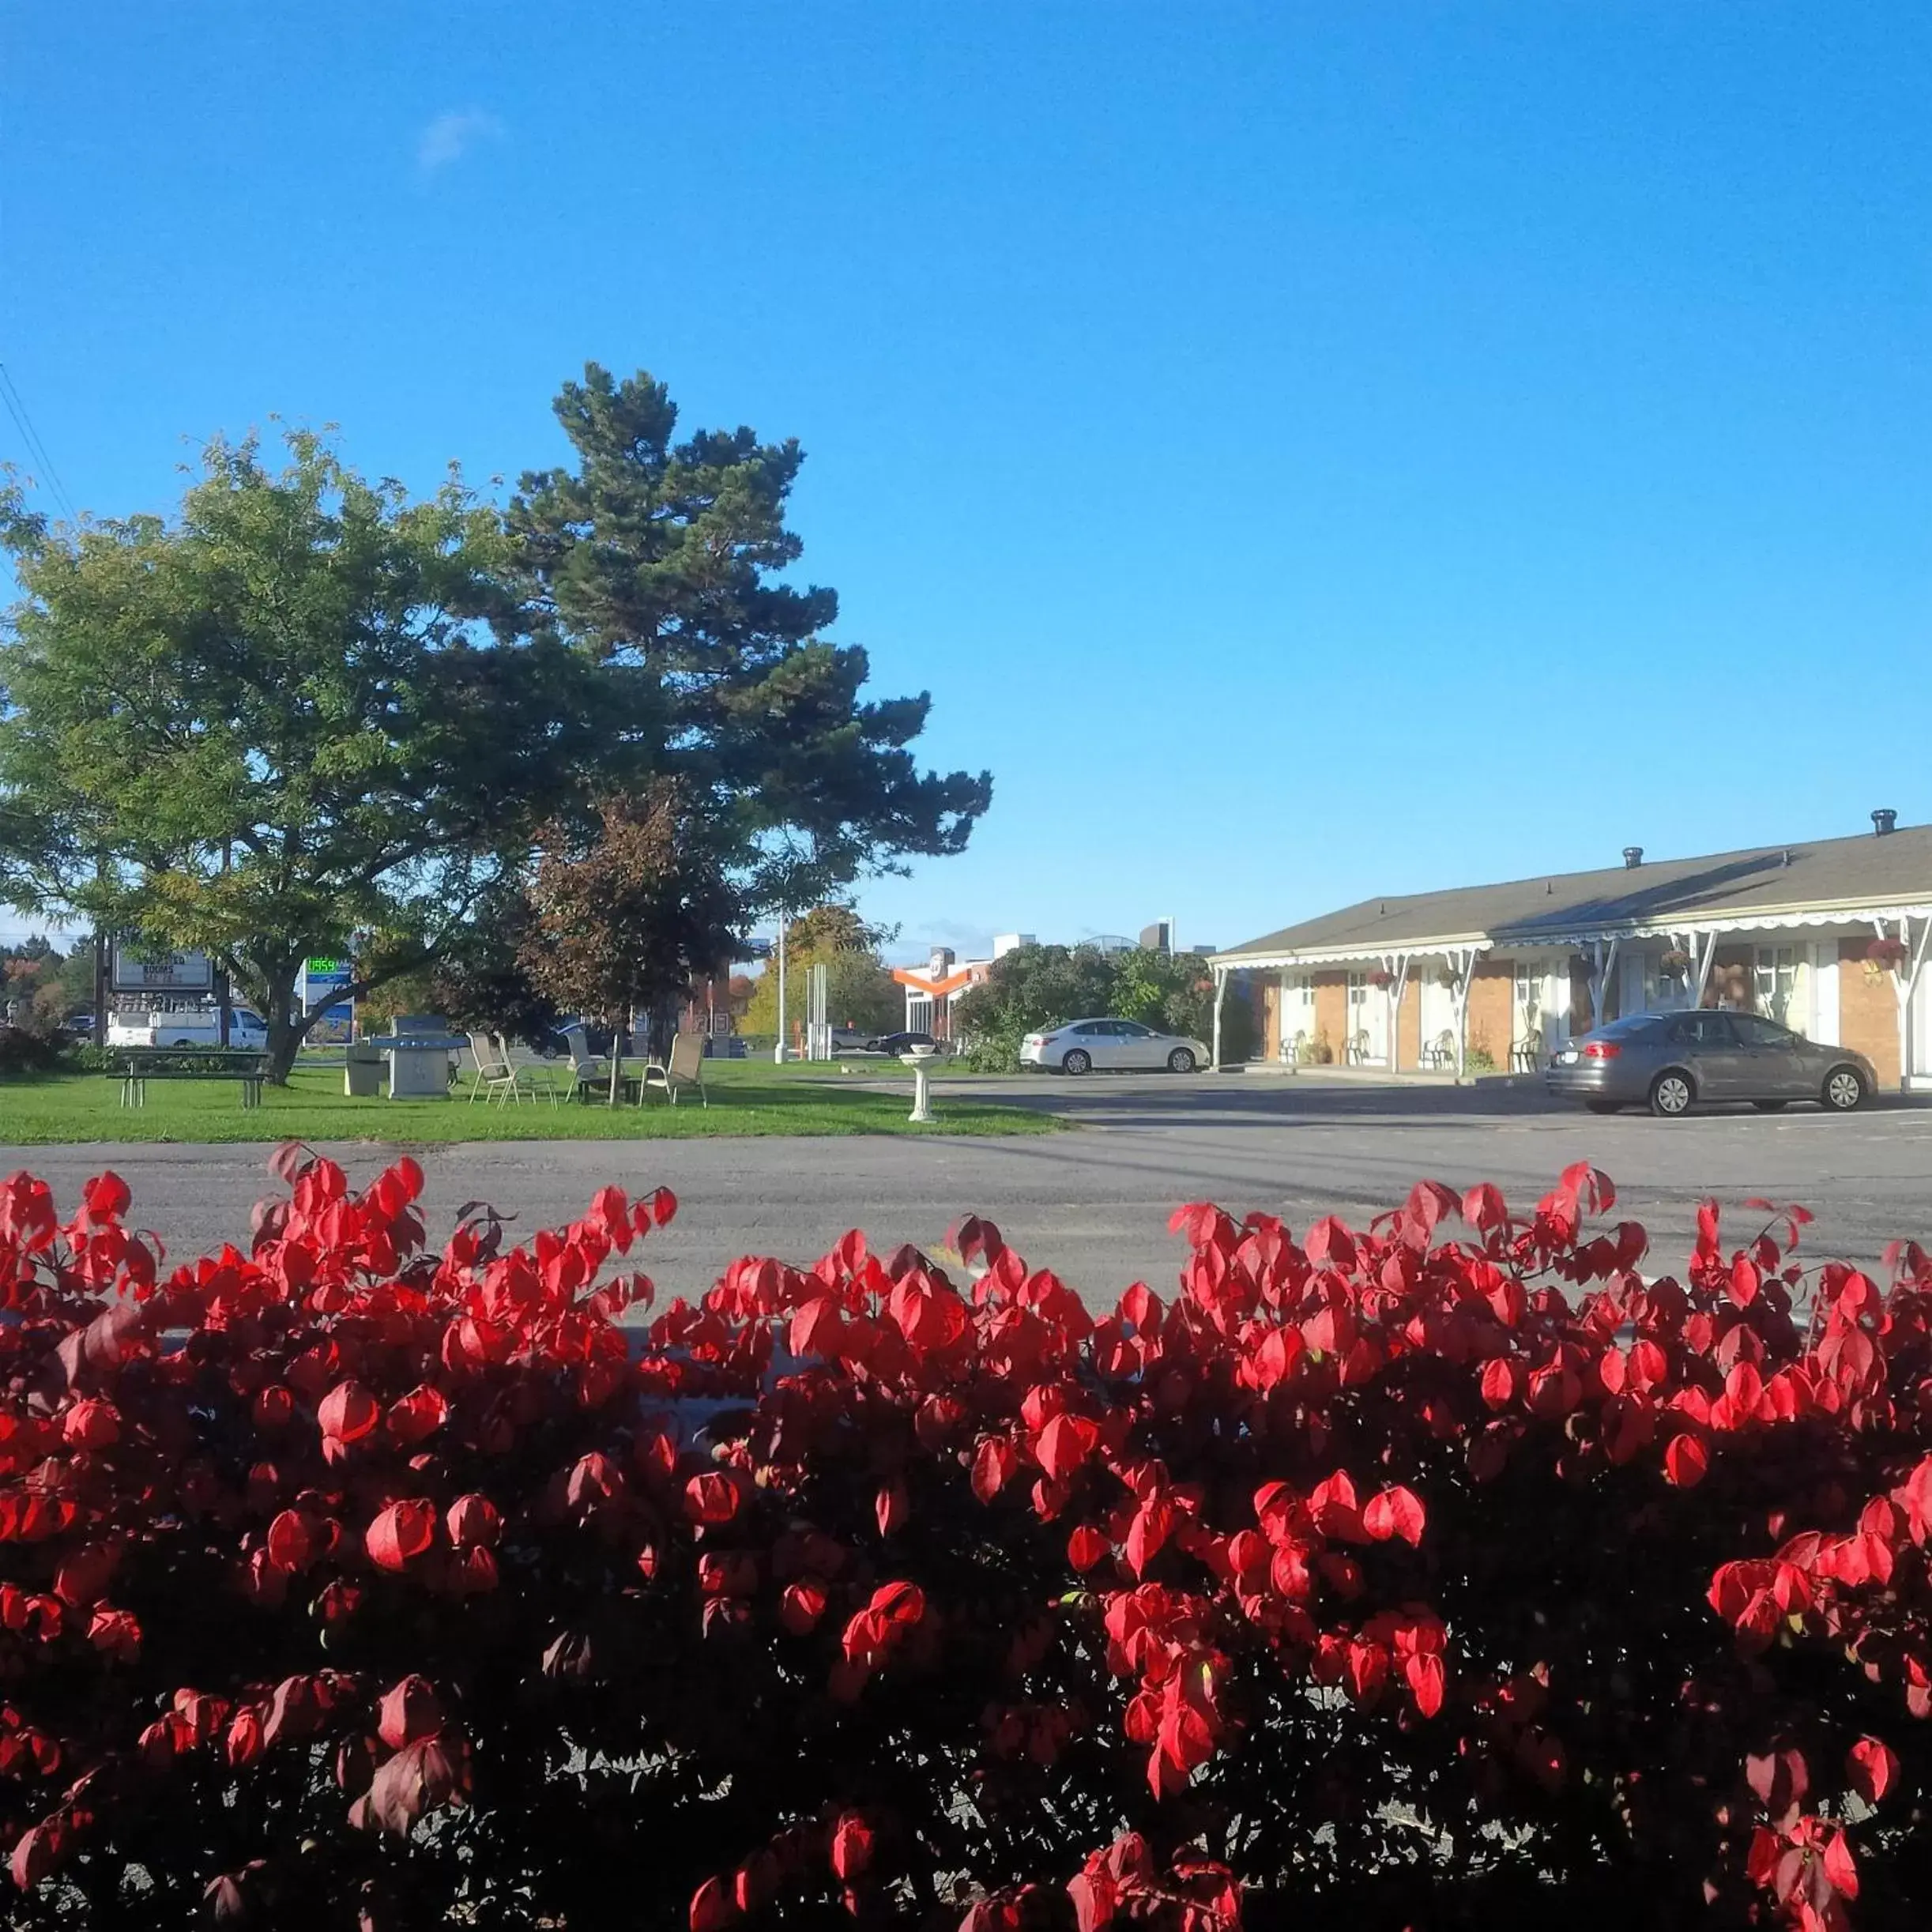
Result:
x=135 y=1066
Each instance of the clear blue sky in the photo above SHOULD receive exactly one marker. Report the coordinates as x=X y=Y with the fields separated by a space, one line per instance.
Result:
x=1307 y=450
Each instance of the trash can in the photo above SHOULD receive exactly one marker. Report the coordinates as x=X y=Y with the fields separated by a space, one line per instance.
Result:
x=361 y=1076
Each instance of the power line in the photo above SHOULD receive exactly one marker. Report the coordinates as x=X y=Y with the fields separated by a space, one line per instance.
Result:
x=36 y=450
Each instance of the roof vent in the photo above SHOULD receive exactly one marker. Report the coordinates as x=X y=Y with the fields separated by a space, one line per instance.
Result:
x=1883 y=821
x=1632 y=857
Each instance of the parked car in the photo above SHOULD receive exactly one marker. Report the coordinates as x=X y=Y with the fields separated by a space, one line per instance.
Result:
x=1083 y=1044
x=899 y=1042
x=1670 y=1061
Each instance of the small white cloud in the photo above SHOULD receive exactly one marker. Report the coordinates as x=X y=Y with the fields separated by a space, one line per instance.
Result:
x=452 y=135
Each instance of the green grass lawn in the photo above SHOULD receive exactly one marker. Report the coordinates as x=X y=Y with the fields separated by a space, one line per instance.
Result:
x=747 y=1097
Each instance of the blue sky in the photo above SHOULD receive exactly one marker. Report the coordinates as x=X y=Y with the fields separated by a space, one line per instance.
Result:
x=1307 y=450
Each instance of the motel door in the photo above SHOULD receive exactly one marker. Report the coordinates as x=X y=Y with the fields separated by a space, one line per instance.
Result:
x=1368 y=1014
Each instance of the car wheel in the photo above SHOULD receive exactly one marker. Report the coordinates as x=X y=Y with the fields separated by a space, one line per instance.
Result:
x=1670 y=1095
x=1769 y=1106
x=1604 y=1106
x=1181 y=1060
x=1078 y=1061
x=1844 y=1089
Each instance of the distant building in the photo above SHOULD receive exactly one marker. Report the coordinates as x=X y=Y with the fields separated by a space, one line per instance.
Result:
x=1829 y=938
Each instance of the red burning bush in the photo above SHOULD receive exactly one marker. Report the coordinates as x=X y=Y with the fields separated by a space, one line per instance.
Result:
x=1379 y=1579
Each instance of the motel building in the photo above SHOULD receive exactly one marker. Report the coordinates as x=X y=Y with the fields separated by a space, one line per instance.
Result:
x=1830 y=939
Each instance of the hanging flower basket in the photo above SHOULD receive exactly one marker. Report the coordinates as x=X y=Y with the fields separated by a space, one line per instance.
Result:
x=1676 y=964
x=1381 y=979
x=1887 y=955
x=1448 y=979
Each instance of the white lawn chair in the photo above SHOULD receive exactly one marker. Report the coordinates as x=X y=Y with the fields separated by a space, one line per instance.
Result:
x=684 y=1070
x=531 y=1075
x=494 y=1078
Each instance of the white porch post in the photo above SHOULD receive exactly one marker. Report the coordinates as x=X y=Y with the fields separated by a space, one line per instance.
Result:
x=1396 y=967
x=1905 y=984
x=1601 y=966
x=1220 y=988
x=1706 y=957
x=1465 y=966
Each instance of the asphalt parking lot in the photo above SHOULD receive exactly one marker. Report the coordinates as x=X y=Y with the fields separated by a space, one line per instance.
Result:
x=1093 y=1204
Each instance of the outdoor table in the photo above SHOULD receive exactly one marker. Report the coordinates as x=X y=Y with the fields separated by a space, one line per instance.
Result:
x=419 y=1063
x=921 y=1064
x=137 y=1065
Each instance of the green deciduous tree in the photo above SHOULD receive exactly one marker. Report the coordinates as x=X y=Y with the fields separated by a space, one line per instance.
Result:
x=298 y=719
x=861 y=991
x=1033 y=987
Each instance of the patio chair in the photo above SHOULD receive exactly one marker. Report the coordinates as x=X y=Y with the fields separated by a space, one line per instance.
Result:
x=684 y=1070
x=1441 y=1052
x=588 y=1070
x=530 y=1076
x=493 y=1079
x=1358 y=1047
x=1527 y=1055
x=1292 y=1050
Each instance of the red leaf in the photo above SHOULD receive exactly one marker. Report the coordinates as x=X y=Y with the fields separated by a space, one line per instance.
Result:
x=401 y=1532
x=37 y=1852
x=1088 y=1546
x=1502 y=1380
x=418 y=1415
x=1872 y=1767
x=106 y=1197
x=1745 y=1281
x=852 y=1845
x=1483 y=1206
x=1424 y=1674
x=1395 y=1512
x=800 y=1608
x=348 y=1412
x=891 y=1506
x=712 y=1906
x=291 y=1542
x=410 y=1711
x=1591 y=1185
x=472 y=1523
x=713 y=1497
x=1329 y=1242
x=1839 y=1867
x=1064 y=1444
x=419 y=1777
x=1685 y=1460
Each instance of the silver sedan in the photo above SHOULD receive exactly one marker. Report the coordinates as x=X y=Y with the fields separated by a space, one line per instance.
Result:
x=1083 y=1044
x=1669 y=1061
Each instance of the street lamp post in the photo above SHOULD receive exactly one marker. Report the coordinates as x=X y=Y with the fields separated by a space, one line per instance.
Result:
x=778 y=1053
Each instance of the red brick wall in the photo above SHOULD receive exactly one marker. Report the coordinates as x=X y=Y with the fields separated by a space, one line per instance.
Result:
x=1868 y=1013
x=1268 y=1002
x=1491 y=996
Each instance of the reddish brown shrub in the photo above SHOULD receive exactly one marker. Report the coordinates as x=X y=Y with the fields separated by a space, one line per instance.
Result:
x=1380 y=1579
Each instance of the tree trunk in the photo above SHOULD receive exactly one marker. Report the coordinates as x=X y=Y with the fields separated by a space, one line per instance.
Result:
x=288 y=1029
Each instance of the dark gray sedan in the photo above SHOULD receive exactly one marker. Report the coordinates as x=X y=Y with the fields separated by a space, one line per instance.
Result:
x=1668 y=1061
